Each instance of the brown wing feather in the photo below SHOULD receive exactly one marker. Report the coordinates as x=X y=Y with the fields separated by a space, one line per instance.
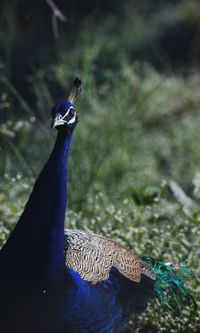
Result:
x=92 y=256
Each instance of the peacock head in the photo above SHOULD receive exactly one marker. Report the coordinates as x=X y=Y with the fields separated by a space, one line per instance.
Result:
x=63 y=113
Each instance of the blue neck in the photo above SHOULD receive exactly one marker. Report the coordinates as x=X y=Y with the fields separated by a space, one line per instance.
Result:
x=34 y=251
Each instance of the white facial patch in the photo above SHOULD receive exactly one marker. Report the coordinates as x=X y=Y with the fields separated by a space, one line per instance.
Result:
x=71 y=121
x=61 y=119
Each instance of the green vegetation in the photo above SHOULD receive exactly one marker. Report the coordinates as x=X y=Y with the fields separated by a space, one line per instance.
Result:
x=138 y=131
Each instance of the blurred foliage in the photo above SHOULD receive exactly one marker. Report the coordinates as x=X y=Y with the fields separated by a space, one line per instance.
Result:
x=135 y=122
x=138 y=130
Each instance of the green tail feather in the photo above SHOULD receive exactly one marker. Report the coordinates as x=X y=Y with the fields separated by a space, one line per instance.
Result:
x=169 y=286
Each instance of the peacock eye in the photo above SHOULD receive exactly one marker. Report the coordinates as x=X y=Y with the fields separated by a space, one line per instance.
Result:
x=71 y=113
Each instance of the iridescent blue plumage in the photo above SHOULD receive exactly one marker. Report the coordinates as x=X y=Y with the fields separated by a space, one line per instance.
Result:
x=32 y=261
x=75 y=282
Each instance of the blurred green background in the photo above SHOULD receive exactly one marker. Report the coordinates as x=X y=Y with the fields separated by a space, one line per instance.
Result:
x=135 y=158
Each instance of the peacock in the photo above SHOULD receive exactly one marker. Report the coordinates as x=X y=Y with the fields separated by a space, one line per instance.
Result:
x=71 y=281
